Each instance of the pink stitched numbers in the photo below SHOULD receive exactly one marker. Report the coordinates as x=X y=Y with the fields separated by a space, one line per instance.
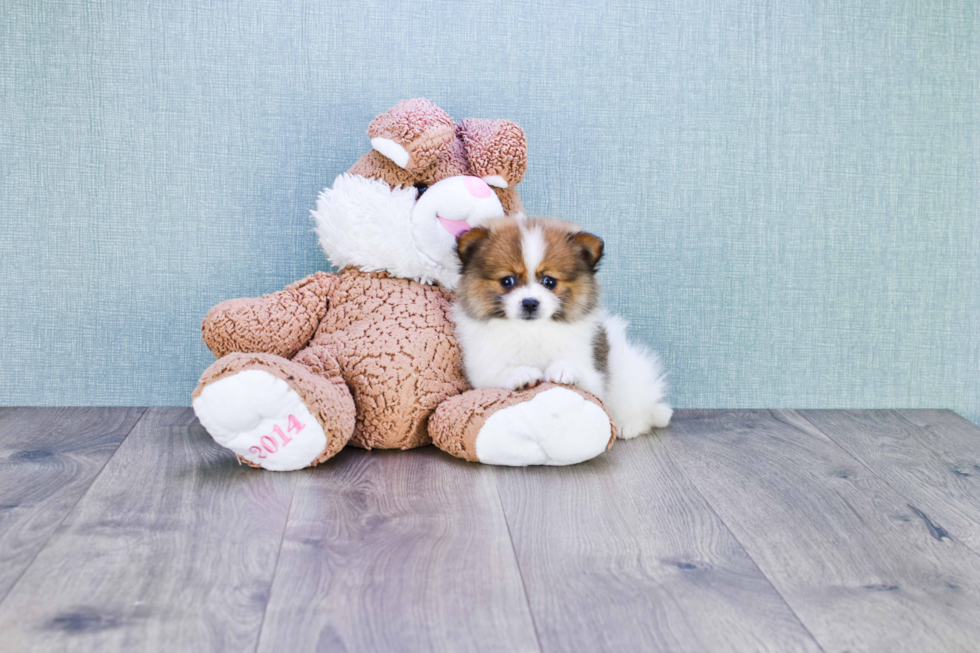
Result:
x=269 y=442
x=285 y=438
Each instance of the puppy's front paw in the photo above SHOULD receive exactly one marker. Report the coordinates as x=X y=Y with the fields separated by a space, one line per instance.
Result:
x=563 y=372
x=520 y=378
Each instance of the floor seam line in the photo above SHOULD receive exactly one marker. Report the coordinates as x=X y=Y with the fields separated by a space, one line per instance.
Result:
x=740 y=545
x=517 y=562
x=73 y=506
x=876 y=475
x=275 y=569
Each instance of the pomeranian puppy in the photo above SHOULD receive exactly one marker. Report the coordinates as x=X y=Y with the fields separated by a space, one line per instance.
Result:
x=527 y=311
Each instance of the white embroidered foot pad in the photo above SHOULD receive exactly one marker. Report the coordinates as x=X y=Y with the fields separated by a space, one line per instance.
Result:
x=260 y=418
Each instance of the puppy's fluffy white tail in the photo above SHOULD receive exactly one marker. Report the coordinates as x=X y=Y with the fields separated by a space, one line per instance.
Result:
x=635 y=384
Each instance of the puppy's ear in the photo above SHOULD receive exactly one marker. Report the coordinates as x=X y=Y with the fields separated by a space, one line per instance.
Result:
x=590 y=246
x=469 y=242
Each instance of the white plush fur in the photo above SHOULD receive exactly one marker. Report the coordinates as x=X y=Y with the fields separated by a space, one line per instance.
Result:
x=367 y=223
x=372 y=226
x=556 y=427
x=239 y=411
x=450 y=199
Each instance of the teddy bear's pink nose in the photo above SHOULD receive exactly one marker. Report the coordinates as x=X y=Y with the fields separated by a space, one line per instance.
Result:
x=477 y=187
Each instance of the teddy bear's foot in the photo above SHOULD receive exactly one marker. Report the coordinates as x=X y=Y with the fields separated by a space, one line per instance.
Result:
x=260 y=418
x=269 y=422
x=548 y=425
x=556 y=427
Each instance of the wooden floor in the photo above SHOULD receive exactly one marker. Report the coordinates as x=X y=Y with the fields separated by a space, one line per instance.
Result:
x=129 y=529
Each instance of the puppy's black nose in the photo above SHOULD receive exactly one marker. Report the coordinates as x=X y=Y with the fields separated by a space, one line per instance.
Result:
x=530 y=305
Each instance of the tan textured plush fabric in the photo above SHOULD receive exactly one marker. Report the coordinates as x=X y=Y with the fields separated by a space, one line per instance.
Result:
x=476 y=147
x=495 y=147
x=390 y=341
x=323 y=390
x=418 y=125
x=281 y=323
x=397 y=352
x=374 y=356
x=382 y=369
x=457 y=421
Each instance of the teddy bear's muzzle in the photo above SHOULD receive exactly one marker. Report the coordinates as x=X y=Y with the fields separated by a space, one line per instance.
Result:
x=458 y=204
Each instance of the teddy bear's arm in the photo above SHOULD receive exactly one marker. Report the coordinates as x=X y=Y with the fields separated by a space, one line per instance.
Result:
x=281 y=323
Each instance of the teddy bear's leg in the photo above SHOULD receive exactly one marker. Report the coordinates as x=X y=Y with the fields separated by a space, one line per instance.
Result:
x=275 y=413
x=546 y=425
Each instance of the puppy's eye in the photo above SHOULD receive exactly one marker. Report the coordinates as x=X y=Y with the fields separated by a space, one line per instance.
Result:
x=549 y=282
x=508 y=282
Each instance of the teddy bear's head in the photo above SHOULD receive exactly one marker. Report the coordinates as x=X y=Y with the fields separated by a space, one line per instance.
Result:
x=425 y=181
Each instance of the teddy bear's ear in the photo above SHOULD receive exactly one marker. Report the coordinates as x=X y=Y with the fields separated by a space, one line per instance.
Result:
x=496 y=150
x=469 y=242
x=591 y=247
x=413 y=133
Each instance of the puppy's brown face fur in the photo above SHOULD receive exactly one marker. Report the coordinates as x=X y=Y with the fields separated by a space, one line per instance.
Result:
x=535 y=269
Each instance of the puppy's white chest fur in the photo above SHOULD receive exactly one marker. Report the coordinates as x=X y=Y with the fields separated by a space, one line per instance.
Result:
x=497 y=351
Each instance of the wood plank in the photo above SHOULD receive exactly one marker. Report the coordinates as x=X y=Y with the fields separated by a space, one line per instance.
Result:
x=48 y=459
x=622 y=554
x=862 y=567
x=172 y=549
x=393 y=551
x=931 y=457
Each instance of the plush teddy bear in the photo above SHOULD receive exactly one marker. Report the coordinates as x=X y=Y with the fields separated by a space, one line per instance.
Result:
x=367 y=356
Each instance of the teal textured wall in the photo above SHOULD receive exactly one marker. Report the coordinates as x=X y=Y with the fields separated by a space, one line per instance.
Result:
x=790 y=192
